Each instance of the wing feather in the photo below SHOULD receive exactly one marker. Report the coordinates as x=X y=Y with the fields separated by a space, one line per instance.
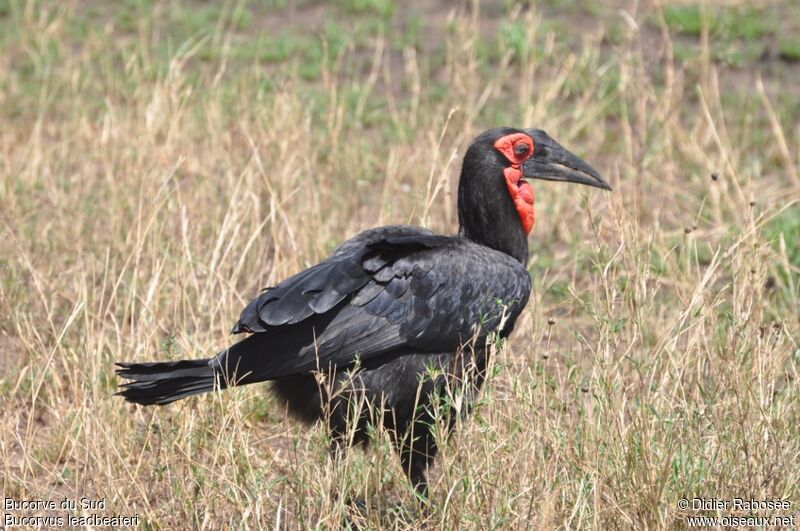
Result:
x=390 y=289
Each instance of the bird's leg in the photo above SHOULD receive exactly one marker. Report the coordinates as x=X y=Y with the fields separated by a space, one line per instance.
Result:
x=416 y=457
x=336 y=448
x=417 y=472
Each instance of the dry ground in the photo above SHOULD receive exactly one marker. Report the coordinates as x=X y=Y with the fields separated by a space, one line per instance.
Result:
x=162 y=161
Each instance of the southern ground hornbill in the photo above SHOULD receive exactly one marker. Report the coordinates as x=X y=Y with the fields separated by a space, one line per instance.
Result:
x=397 y=317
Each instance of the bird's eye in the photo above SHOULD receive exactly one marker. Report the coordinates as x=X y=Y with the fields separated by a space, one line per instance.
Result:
x=521 y=148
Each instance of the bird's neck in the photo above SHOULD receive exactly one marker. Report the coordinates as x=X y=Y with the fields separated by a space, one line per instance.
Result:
x=512 y=242
x=487 y=214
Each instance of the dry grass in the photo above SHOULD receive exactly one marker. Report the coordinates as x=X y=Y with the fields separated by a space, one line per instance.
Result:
x=147 y=192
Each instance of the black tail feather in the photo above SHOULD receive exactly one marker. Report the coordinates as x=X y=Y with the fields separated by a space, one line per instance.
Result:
x=160 y=383
x=245 y=362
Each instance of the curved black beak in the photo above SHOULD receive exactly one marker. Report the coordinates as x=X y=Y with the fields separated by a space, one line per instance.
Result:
x=553 y=162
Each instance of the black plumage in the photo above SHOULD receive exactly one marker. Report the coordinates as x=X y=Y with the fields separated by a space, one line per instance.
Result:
x=393 y=318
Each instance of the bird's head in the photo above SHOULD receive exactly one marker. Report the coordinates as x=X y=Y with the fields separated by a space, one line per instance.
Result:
x=495 y=199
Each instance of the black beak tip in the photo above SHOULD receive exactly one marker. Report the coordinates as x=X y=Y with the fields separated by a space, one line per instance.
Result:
x=585 y=174
x=590 y=176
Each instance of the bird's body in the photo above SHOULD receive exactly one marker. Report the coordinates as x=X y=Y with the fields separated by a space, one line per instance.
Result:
x=395 y=317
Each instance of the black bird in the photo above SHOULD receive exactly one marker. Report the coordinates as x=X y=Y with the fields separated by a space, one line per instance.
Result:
x=397 y=317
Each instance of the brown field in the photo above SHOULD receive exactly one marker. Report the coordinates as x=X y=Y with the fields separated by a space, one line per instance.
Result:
x=160 y=162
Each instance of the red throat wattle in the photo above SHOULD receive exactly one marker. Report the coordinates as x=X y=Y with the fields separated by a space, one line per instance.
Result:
x=521 y=193
x=519 y=189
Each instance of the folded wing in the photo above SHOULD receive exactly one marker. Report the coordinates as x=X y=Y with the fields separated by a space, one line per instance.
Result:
x=386 y=290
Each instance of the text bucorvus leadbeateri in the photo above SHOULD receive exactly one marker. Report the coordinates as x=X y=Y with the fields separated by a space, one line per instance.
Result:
x=396 y=315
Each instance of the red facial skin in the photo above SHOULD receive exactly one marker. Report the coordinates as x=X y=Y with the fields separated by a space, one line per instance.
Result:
x=520 y=191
